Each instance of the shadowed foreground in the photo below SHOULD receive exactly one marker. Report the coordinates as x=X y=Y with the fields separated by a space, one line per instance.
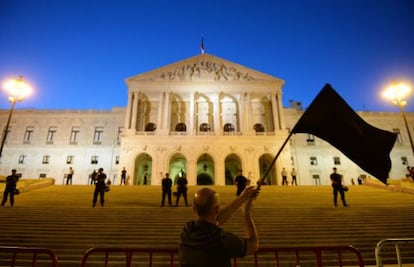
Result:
x=61 y=218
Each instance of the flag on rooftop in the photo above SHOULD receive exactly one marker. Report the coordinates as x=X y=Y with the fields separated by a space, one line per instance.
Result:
x=330 y=118
x=202 y=45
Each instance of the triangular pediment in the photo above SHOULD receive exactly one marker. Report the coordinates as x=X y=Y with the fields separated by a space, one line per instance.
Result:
x=204 y=67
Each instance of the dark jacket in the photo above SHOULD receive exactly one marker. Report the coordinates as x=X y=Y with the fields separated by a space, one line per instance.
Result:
x=204 y=244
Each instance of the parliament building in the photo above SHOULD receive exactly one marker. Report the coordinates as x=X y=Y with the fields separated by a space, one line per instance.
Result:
x=203 y=117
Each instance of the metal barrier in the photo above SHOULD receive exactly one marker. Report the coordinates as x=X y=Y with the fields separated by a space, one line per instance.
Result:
x=41 y=256
x=317 y=255
x=128 y=253
x=302 y=255
x=391 y=241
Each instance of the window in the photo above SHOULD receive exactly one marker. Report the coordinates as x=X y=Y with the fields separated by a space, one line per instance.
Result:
x=51 y=134
x=42 y=175
x=150 y=127
x=310 y=140
x=94 y=160
x=204 y=127
x=228 y=127
x=117 y=160
x=21 y=159
x=404 y=160
x=74 y=135
x=118 y=138
x=399 y=138
x=69 y=159
x=313 y=161
x=180 y=127
x=46 y=159
x=337 y=160
x=28 y=134
x=259 y=128
x=97 y=137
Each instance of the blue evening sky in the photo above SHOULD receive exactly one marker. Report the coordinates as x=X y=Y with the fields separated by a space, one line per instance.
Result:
x=78 y=53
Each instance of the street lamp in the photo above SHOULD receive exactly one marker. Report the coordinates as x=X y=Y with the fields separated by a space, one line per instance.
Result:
x=17 y=89
x=397 y=93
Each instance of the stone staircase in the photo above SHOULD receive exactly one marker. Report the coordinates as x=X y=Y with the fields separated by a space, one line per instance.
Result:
x=61 y=218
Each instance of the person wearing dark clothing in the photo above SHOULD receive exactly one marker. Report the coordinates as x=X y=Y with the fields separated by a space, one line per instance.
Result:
x=336 y=180
x=181 y=190
x=123 y=176
x=100 y=185
x=69 y=176
x=166 y=189
x=203 y=243
x=293 y=174
x=11 y=181
x=284 y=177
x=241 y=182
x=93 y=175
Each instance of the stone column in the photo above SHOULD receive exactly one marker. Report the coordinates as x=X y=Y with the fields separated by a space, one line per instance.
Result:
x=276 y=118
x=280 y=110
x=128 y=112
x=192 y=114
x=217 y=116
x=134 y=111
x=167 y=111
x=160 y=110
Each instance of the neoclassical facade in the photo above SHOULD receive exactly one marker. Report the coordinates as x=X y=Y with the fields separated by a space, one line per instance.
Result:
x=203 y=117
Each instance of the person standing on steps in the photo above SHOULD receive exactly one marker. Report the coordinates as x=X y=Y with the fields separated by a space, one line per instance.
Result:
x=100 y=185
x=293 y=174
x=70 y=175
x=284 y=177
x=10 y=189
x=336 y=180
x=181 y=189
x=166 y=184
x=241 y=182
x=123 y=176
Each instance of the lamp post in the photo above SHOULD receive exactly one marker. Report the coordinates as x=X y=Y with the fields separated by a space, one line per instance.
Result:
x=397 y=93
x=17 y=90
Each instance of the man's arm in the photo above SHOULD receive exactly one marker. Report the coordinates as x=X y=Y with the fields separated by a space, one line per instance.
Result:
x=250 y=230
x=226 y=212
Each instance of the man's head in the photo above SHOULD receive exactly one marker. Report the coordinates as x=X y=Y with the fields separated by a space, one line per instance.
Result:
x=206 y=203
x=100 y=169
x=14 y=171
x=334 y=169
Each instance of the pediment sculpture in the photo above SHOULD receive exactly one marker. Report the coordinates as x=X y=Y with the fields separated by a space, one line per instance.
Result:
x=206 y=70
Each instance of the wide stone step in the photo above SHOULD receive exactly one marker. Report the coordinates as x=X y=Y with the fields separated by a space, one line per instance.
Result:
x=61 y=218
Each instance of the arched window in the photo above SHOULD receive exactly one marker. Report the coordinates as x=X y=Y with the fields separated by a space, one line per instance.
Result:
x=150 y=127
x=204 y=127
x=180 y=127
x=228 y=127
x=258 y=127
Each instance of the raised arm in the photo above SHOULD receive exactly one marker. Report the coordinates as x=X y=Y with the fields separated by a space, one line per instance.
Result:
x=250 y=229
x=227 y=211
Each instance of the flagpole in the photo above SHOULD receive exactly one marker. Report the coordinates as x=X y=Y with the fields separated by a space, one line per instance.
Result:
x=260 y=182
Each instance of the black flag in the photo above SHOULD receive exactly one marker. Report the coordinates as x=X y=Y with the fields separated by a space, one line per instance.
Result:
x=330 y=118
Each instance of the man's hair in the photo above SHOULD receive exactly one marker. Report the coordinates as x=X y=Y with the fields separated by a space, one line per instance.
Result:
x=205 y=201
